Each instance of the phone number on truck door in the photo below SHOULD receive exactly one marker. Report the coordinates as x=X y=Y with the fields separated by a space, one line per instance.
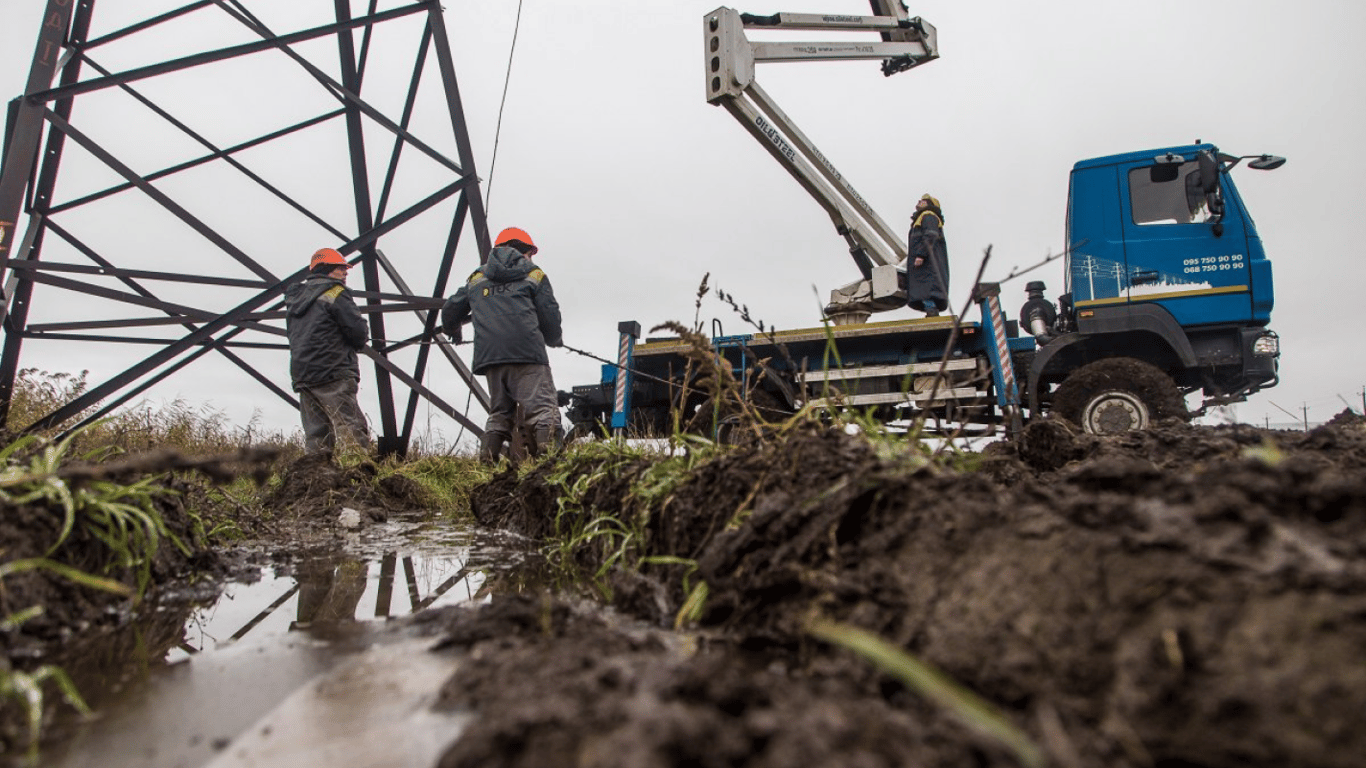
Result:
x=1213 y=263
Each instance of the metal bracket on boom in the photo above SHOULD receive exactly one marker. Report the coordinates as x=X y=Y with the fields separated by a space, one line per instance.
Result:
x=730 y=57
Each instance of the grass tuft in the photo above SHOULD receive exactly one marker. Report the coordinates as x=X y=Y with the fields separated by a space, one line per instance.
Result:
x=967 y=707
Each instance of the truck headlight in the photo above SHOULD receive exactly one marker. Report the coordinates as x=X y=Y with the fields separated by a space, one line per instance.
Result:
x=1267 y=345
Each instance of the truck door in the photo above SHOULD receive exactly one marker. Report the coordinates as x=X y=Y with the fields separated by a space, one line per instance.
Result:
x=1178 y=251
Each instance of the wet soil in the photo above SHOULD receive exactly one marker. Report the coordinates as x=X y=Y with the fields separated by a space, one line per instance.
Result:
x=1184 y=596
x=1181 y=597
x=315 y=488
x=95 y=636
x=32 y=528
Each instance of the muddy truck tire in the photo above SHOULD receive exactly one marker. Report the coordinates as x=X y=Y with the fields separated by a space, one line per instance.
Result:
x=1116 y=395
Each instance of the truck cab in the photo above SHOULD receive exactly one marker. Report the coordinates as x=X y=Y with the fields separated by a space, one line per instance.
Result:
x=1145 y=231
x=1165 y=267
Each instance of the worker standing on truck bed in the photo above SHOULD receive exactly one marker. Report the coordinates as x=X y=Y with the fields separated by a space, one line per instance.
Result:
x=515 y=317
x=325 y=330
x=927 y=268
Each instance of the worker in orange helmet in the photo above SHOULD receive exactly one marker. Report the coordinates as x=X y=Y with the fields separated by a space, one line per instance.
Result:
x=515 y=318
x=325 y=330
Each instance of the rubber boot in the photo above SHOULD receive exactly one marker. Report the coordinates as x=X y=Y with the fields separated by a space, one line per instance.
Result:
x=491 y=447
x=546 y=439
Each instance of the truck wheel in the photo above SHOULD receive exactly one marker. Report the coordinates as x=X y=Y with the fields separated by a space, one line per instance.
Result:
x=1116 y=395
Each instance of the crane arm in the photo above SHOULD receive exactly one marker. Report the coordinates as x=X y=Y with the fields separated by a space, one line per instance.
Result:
x=730 y=61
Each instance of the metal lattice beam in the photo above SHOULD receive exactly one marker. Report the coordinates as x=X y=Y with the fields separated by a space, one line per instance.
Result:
x=101 y=294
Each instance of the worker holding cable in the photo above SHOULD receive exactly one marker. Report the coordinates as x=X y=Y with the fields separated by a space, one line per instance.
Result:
x=325 y=330
x=515 y=318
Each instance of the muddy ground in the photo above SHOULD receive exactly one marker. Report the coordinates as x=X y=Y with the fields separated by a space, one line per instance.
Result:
x=97 y=636
x=1185 y=596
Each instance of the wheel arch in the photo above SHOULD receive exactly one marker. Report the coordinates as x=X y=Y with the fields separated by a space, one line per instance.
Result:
x=1146 y=332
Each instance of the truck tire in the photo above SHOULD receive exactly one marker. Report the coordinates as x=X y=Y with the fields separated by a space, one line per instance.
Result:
x=1116 y=395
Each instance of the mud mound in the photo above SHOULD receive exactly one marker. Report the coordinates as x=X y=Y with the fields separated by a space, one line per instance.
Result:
x=314 y=489
x=1186 y=596
x=30 y=528
x=1347 y=418
x=507 y=503
x=1052 y=444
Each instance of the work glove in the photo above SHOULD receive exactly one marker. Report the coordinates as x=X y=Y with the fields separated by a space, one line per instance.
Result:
x=454 y=333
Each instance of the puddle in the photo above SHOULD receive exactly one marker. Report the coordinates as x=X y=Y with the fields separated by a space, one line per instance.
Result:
x=187 y=680
x=380 y=577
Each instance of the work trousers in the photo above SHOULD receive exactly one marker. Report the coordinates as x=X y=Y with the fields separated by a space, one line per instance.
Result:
x=331 y=409
x=527 y=384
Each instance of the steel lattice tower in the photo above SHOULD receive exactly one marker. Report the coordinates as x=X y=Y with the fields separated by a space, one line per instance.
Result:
x=266 y=135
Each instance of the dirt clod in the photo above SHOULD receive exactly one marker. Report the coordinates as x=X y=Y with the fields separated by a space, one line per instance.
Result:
x=1182 y=596
x=315 y=488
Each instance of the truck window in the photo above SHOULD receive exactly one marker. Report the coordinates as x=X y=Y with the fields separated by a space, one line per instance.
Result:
x=1157 y=195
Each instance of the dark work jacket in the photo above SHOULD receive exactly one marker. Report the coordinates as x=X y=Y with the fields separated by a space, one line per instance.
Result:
x=325 y=329
x=514 y=310
x=929 y=281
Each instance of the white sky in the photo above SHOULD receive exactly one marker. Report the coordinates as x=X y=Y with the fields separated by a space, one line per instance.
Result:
x=634 y=187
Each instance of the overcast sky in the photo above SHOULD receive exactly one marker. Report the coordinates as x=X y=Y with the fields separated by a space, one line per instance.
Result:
x=634 y=187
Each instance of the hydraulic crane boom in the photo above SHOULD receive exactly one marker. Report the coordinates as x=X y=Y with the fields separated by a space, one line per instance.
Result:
x=730 y=60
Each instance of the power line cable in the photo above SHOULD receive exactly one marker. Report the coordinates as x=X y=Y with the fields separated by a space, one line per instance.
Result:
x=493 y=162
x=498 y=131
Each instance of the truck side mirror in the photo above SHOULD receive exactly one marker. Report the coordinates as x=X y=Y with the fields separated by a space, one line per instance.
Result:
x=1267 y=163
x=1209 y=183
x=1209 y=173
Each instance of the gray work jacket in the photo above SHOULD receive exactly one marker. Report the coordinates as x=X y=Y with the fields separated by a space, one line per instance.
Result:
x=325 y=330
x=514 y=310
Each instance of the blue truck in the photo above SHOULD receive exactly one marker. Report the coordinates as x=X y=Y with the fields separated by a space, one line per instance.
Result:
x=1169 y=293
x=1169 y=290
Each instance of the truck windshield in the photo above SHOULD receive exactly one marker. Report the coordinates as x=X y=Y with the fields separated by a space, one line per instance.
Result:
x=1167 y=194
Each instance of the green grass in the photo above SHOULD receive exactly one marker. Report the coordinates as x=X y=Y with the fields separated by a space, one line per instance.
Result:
x=446 y=481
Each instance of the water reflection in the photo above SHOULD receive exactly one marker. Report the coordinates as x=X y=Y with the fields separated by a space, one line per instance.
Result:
x=320 y=592
x=176 y=695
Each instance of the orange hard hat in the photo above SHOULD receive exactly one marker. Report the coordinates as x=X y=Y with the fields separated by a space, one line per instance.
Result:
x=328 y=256
x=513 y=234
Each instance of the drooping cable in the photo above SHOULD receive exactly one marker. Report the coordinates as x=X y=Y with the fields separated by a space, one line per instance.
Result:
x=498 y=131
x=493 y=162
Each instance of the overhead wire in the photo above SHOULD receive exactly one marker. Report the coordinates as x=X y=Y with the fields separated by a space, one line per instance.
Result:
x=498 y=131
x=493 y=162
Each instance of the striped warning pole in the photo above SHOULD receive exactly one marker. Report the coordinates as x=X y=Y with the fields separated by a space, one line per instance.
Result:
x=998 y=351
x=626 y=349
